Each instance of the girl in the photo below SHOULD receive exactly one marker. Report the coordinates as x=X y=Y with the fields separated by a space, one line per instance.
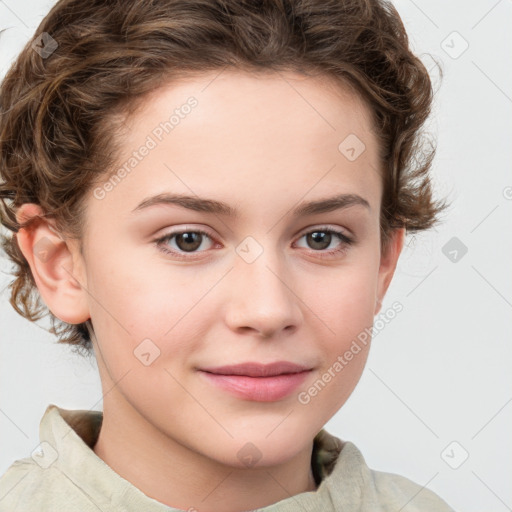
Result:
x=277 y=139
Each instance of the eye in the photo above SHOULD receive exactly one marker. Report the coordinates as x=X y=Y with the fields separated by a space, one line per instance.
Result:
x=187 y=241
x=321 y=238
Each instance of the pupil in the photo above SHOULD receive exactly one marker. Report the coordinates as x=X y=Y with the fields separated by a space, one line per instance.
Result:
x=189 y=239
x=317 y=238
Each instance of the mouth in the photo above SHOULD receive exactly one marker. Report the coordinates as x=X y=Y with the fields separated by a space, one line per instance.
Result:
x=258 y=382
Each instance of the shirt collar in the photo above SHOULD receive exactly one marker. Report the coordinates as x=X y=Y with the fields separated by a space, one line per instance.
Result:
x=337 y=465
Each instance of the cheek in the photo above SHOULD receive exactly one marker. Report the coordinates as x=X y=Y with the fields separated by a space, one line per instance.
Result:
x=138 y=299
x=344 y=300
x=346 y=309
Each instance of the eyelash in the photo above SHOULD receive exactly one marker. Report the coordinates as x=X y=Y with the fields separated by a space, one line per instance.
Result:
x=346 y=242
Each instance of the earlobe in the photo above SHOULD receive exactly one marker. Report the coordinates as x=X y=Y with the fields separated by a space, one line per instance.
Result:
x=388 y=262
x=52 y=265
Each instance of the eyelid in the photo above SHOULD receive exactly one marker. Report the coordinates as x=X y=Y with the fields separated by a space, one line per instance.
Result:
x=185 y=228
x=325 y=227
x=301 y=233
x=345 y=237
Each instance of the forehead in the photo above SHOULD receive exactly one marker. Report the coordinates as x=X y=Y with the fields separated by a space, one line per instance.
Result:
x=273 y=137
x=242 y=104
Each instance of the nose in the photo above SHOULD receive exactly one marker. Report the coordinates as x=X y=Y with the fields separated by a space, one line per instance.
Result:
x=262 y=298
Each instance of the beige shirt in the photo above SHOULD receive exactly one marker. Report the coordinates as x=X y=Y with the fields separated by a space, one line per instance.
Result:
x=68 y=476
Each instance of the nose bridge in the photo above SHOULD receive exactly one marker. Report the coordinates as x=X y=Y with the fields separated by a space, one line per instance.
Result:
x=263 y=296
x=261 y=260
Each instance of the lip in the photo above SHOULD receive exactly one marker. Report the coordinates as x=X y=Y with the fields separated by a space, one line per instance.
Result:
x=258 y=382
x=255 y=369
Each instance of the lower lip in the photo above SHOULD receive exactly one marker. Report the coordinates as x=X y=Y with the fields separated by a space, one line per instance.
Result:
x=258 y=389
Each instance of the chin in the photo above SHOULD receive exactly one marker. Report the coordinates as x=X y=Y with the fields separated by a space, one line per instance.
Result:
x=259 y=447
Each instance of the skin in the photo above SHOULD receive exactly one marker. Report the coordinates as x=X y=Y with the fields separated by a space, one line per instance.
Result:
x=263 y=147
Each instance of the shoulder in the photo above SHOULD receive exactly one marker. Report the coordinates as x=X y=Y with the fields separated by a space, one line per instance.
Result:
x=28 y=486
x=399 y=493
x=351 y=482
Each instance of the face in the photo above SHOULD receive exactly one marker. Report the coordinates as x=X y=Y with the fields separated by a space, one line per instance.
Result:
x=173 y=288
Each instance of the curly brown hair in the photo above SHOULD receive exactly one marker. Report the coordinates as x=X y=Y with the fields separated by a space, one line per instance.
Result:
x=60 y=113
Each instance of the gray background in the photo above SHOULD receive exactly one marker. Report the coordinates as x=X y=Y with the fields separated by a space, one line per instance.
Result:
x=439 y=372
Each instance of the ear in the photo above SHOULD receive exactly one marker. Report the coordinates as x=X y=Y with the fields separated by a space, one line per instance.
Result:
x=388 y=260
x=56 y=265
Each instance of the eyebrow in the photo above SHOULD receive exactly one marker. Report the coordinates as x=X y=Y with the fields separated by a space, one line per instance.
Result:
x=198 y=204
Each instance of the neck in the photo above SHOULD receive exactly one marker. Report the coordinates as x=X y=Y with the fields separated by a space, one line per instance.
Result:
x=177 y=476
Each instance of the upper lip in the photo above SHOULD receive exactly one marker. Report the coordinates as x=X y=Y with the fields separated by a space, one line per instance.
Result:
x=254 y=369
